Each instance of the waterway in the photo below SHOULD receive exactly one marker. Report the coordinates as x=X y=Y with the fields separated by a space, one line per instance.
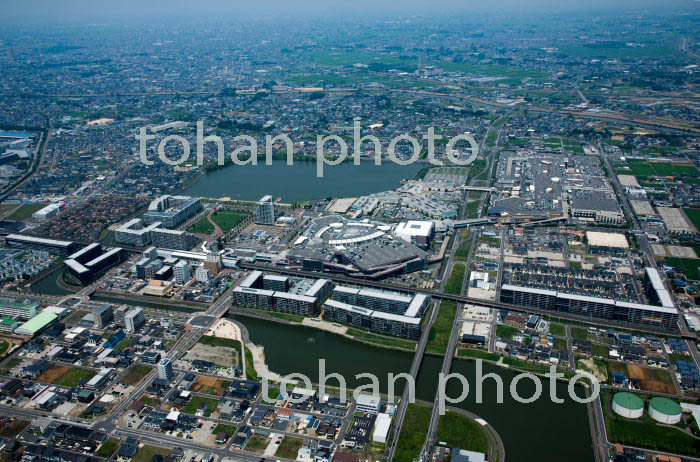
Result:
x=541 y=430
x=49 y=284
x=298 y=182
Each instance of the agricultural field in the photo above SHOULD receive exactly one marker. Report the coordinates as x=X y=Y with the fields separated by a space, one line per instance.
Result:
x=694 y=216
x=689 y=266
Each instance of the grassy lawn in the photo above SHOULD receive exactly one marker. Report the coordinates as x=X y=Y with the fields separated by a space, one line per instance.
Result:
x=289 y=447
x=203 y=226
x=258 y=444
x=464 y=247
x=25 y=212
x=413 y=432
x=147 y=452
x=381 y=340
x=689 y=266
x=601 y=350
x=477 y=354
x=442 y=328
x=456 y=280
x=107 y=448
x=149 y=401
x=580 y=333
x=73 y=377
x=193 y=405
x=526 y=366
x=560 y=344
x=213 y=341
x=504 y=331
x=134 y=374
x=652 y=436
x=458 y=430
x=250 y=371
x=228 y=219
x=3 y=347
x=230 y=429
x=557 y=330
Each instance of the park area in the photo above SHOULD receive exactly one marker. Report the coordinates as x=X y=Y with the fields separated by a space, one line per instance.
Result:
x=225 y=219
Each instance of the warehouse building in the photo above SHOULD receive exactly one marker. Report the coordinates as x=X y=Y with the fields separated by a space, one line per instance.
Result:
x=37 y=324
x=594 y=307
x=40 y=243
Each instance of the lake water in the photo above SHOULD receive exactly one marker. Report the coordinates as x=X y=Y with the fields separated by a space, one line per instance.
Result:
x=298 y=182
x=541 y=431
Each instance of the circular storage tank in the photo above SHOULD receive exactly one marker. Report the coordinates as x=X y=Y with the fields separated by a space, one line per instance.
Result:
x=664 y=410
x=628 y=405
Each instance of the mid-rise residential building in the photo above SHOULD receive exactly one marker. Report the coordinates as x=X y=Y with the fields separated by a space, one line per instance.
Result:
x=165 y=369
x=182 y=272
x=265 y=213
x=134 y=319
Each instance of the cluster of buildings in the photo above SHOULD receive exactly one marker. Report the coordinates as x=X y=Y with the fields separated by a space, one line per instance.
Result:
x=92 y=261
x=378 y=311
x=281 y=293
x=359 y=248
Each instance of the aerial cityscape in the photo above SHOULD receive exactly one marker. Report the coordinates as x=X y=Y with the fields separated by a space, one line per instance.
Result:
x=462 y=231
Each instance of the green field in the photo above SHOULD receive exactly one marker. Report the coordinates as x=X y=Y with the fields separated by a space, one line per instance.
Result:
x=464 y=247
x=601 y=350
x=107 y=448
x=442 y=328
x=203 y=226
x=580 y=333
x=147 y=452
x=456 y=280
x=211 y=340
x=504 y=331
x=257 y=444
x=135 y=373
x=477 y=354
x=380 y=340
x=25 y=212
x=643 y=168
x=557 y=330
x=689 y=266
x=73 y=377
x=618 y=51
x=193 y=405
x=228 y=219
x=459 y=431
x=413 y=432
x=230 y=429
x=289 y=448
x=694 y=216
x=560 y=344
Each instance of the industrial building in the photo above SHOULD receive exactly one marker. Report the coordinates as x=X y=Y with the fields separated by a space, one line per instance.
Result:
x=37 y=324
x=265 y=213
x=628 y=405
x=594 y=307
x=665 y=411
x=47 y=212
x=172 y=211
x=91 y=262
x=40 y=243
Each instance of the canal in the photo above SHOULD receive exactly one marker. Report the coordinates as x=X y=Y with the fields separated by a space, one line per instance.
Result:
x=298 y=182
x=541 y=430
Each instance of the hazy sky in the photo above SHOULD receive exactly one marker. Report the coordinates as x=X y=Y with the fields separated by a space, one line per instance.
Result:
x=82 y=10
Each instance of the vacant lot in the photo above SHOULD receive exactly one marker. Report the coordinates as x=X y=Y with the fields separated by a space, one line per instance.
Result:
x=210 y=386
x=65 y=376
x=289 y=448
x=655 y=380
x=25 y=211
x=219 y=355
x=147 y=452
x=135 y=374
